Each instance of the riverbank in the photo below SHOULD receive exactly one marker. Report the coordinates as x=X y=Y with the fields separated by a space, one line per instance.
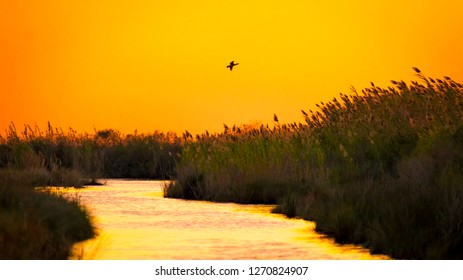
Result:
x=39 y=225
x=382 y=168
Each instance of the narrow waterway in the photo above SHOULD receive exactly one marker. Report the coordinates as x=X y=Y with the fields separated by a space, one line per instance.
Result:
x=135 y=221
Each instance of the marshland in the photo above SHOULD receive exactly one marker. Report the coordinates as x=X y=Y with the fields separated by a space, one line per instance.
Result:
x=380 y=167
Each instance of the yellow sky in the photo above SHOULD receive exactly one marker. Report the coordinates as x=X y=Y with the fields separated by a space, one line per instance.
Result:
x=160 y=65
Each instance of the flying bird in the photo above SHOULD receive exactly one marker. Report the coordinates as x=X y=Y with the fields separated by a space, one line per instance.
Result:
x=232 y=64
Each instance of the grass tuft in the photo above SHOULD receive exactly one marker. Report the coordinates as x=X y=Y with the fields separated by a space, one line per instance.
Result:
x=39 y=224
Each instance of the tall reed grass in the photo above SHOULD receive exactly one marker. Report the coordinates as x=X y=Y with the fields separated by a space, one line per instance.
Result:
x=106 y=153
x=382 y=168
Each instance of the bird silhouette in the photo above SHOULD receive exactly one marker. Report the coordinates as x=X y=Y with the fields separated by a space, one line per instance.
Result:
x=232 y=64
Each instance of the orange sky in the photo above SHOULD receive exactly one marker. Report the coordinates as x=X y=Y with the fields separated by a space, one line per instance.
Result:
x=151 y=64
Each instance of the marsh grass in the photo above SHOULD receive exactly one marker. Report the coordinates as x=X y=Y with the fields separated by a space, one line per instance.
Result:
x=39 y=225
x=106 y=153
x=382 y=168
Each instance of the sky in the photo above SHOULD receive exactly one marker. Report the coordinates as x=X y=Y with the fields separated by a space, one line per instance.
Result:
x=151 y=65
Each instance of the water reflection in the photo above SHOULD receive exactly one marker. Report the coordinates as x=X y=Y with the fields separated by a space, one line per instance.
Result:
x=136 y=222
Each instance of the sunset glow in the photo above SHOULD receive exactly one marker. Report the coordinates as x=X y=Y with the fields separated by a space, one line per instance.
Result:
x=161 y=65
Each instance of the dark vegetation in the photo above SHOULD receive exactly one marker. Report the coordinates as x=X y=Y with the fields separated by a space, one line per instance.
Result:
x=38 y=224
x=383 y=168
x=105 y=154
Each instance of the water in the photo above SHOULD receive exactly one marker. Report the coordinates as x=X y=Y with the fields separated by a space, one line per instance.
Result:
x=135 y=221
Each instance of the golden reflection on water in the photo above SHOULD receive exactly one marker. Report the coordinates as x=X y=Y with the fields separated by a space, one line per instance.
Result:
x=136 y=222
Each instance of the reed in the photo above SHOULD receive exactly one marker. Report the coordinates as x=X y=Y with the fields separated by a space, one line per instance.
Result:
x=106 y=153
x=381 y=167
